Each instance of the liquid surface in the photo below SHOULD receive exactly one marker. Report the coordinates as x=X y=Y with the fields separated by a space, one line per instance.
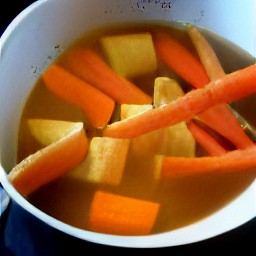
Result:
x=183 y=201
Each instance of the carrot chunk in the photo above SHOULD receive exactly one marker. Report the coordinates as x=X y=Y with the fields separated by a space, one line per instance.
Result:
x=96 y=105
x=122 y=215
x=89 y=66
x=229 y=88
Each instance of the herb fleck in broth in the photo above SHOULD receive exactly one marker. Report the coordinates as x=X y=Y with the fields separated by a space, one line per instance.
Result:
x=183 y=200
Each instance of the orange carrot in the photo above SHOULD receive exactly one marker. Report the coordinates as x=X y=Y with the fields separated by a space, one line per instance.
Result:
x=206 y=53
x=227 y=125
x=233 y=131
x=212 y=147
x=89 y=66
x=178 y=58
x=121 y=215
x=229 y=88
x=96 y=105
x=50 y=162
x=234 y=161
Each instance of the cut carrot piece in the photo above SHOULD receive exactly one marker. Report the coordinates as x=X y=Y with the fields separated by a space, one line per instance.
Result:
x=49 y=131
x=240 y=160
x=120 y=215
x=97 y=106
x=175 y=140
x=50 y=162
x=229 y=88
x=105 y=161
x=219 y=118
x=179 y=59
x=205 y=140
x=86 y=64
x=130 y=55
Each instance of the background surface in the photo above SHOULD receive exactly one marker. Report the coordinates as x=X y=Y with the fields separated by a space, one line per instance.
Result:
x=24 y=235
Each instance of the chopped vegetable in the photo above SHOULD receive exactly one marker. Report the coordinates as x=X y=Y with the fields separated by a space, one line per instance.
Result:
x=175 y=56
x=229 y=88
x=233 y=161
x=96 y=105
x=175 y=140
x=122 y=215
x=49 y=131
x=105 y=161
x=166 y=90
x=89 y=66
x=205 y=140
x=128 y=110
x=130 y=55
x=50 y=162
x=147 y=144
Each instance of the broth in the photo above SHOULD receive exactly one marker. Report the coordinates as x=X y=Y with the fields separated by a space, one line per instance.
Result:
x=183 y=201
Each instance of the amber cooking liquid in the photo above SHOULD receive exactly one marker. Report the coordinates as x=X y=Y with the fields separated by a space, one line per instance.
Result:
x=183 y=200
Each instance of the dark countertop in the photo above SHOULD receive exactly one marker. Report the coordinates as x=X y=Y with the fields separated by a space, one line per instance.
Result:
x=22 y=234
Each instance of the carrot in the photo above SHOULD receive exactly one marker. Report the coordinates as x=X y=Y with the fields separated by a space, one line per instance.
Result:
x=205 y=140
x=179 y=59
x=175 y=56
x=86 y=64
x=50 y=162
x=229 y=88
x=233 y=131
x=96 y=105
x=233 y=161
x=227 y=125
x=121 y=215
x=206 y=53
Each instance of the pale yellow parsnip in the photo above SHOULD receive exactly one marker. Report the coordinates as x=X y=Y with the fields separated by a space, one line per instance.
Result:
x=130 y=55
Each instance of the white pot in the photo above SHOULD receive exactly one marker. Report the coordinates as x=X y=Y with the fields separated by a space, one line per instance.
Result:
x=46 y=27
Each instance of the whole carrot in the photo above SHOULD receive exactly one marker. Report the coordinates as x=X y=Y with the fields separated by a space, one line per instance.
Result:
x=50 y=162
x=212 y=147
x=233 y=161
x=85 y=63
x=229 y=88
x=175 y=56
x=206 y=53
x=96 y=105
x=219 y=118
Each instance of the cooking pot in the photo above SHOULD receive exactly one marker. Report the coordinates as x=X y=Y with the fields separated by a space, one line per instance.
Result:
x=46 y=28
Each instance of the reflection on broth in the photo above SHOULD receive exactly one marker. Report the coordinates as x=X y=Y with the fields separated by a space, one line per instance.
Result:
x=183 y=201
